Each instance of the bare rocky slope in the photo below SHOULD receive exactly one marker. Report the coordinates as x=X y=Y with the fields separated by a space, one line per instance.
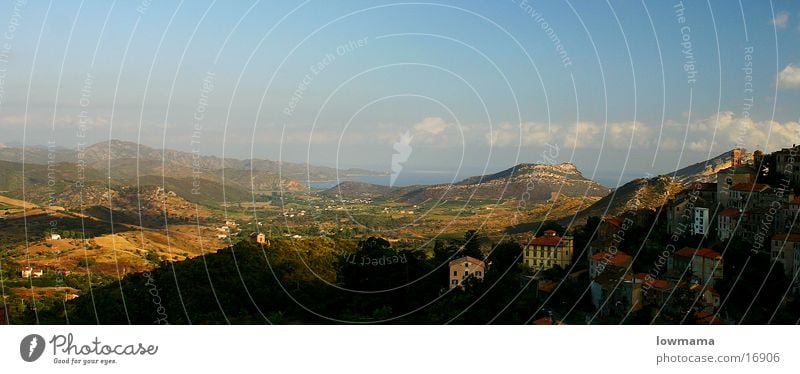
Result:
x=534 y=182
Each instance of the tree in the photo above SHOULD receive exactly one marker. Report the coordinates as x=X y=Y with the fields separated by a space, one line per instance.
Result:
x=472 y=244
x=506 y=255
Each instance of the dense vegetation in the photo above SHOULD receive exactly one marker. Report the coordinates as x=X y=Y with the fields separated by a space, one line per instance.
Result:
x=317 y=280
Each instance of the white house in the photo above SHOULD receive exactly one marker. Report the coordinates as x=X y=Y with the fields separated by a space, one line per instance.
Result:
x=30 y=272
x=701 y=222
x=465 y=267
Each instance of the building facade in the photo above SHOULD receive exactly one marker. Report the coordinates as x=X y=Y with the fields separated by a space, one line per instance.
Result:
x=729 y=177
x=701 y=222
x=726 y=223
x=548 y=250
x=787 y=162
x=705 y=264
x=466 y=267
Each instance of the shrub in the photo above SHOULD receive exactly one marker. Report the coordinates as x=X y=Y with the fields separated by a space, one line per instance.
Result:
x=86 y=262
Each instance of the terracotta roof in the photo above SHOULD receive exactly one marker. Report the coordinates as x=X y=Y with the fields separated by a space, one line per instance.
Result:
x=655 y=283
x=467 y=259
x=550 y=241
x=795 y=200
x=748 y=187
x=794 y=238
x=547 y=321
x=615 y=259
x=730 y=212
x=702 y=252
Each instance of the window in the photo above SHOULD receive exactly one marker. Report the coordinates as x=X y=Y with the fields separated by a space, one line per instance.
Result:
x=466 y=264
x=478 y=273
x=466 y=274
x=455 y=273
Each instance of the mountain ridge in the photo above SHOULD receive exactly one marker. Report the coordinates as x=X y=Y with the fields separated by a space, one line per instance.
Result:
x=536 y=182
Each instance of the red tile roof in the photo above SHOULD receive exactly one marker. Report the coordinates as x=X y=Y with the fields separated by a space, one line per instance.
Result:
x=615 y=259
x=546 y=241
x=547 y=321
x=655 y=283
x=702 y=252
x=748 y=187
x=730 y=212
x=794 y=238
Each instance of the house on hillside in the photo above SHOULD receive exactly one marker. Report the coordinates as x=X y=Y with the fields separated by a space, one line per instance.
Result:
x=704 y=264
x=729 y=177
x=786 y=218
x=787 y=162
x=750 y=195
x=601 y=261
x=30 y=272
x=785 y=249
x=726 y=223
x=464 y=268
x=54 y=237
x=701 y=222
x=687 y=213
x=706 y=191
x=548 y=250
x=260 y=238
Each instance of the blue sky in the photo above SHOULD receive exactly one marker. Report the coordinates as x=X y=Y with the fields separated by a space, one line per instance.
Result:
x=480 y=85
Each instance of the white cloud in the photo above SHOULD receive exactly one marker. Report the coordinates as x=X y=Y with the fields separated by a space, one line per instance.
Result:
x=431 y=125
x=715 y=133
x=781 y=20
x=732 y=131
x=527 y=133
x=582 y=135
x=789 y=77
